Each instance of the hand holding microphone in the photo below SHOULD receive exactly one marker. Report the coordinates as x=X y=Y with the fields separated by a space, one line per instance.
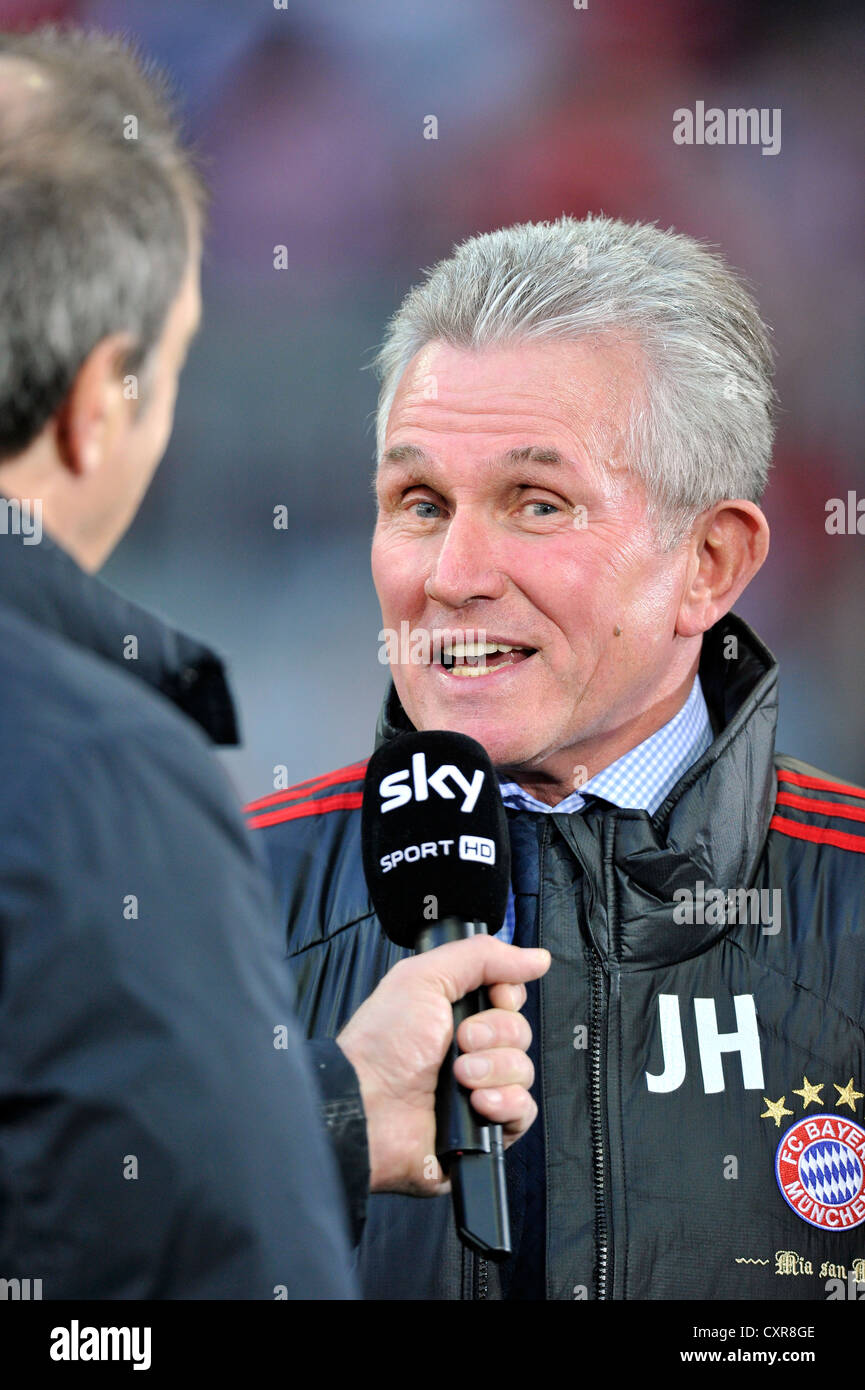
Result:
x=436 y=858
x=397 y=1040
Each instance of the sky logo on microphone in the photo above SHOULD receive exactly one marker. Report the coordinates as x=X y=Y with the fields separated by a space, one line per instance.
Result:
x=420 y=784
x=478 y=848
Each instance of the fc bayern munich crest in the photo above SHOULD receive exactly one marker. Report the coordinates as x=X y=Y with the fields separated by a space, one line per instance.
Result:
x=820 y=1167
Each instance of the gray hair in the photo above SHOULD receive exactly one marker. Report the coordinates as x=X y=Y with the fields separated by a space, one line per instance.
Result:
x=702 y=429
x=96 y=227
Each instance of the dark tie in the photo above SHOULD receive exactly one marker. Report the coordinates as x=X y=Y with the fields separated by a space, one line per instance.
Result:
x=524 y=1274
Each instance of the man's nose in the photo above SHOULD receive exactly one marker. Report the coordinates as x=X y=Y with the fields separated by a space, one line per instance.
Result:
x=467 y=564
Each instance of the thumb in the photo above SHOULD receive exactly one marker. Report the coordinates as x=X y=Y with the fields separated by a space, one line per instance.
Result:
x=461 y=966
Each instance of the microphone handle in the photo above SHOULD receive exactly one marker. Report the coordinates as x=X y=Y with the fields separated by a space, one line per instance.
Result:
x=470 y=1149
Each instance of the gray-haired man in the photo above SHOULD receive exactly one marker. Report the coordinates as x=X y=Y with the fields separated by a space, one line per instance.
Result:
x=574 y=436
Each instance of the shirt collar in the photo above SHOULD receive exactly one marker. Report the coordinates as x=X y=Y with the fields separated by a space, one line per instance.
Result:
x=642 y=777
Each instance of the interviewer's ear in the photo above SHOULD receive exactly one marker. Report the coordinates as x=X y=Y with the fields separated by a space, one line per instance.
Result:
x=727 y=546
x=96 y=411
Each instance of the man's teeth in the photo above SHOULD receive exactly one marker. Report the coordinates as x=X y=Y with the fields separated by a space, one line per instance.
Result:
x=477 y=653
x=458 y=649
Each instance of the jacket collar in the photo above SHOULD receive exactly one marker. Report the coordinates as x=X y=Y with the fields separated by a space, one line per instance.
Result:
x=711 y=828
x=45 y=585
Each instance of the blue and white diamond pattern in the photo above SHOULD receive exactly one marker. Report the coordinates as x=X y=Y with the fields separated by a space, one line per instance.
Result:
x=830 y=1172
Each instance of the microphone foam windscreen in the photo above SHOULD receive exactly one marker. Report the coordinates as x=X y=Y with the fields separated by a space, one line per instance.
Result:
x=435 y=834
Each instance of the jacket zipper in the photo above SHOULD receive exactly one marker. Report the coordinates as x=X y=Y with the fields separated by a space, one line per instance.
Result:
x=482 y=1277
x=599 y=1167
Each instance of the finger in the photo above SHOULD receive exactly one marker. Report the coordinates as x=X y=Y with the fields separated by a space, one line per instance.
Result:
x=461 y=966
x=510 y=1106
x=494 y=1028
x=507 y=996
x=503 y=1066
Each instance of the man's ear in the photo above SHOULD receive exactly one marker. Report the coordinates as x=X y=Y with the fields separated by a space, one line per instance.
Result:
x=95 y=410
x=728 y=545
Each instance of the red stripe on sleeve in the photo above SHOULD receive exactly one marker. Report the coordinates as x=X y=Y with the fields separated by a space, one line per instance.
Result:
x=817 y=834
x=353 y=773
x=825 y=808
x=817 y=783
x=346 y=801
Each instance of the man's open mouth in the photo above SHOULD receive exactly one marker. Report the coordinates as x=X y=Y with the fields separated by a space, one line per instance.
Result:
x=479 y=658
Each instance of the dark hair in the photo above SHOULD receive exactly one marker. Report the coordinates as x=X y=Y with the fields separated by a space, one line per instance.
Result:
x=98 y=201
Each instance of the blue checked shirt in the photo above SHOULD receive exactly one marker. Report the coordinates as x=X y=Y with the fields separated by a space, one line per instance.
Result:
x=640 y=779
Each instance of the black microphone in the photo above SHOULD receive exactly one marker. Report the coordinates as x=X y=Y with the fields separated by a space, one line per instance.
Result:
x=436 y=856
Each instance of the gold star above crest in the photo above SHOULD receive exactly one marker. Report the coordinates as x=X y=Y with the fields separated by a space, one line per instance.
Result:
x=809 y=1093
x=846 y=1094
x=775 y=1110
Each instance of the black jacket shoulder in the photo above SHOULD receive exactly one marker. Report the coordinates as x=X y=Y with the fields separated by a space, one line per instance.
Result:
x=156 y=1093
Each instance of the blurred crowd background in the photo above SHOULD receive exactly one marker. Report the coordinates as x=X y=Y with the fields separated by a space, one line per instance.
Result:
x=311 y=120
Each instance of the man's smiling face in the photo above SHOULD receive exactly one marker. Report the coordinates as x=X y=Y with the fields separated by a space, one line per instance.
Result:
x=497 y=515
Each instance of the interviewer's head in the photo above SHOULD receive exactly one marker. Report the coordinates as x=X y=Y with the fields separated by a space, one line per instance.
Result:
x=574 y=433
x=100 y=222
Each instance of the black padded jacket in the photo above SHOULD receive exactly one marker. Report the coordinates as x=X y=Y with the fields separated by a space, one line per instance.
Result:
x=701 y=1056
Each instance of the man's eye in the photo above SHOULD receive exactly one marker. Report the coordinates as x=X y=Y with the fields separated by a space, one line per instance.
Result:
x=547 y=508
x=423 y=502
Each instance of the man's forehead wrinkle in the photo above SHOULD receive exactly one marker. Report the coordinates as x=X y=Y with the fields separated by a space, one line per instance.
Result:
x=502 y=402
x=583 y=408
x=482 y=420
